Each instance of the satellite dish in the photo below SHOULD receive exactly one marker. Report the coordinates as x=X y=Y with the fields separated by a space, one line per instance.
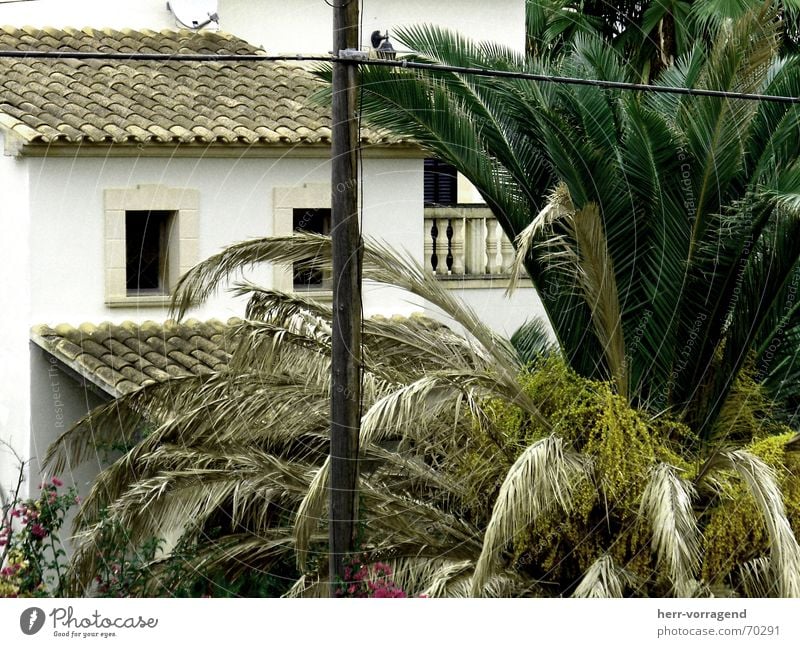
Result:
x=194 y=14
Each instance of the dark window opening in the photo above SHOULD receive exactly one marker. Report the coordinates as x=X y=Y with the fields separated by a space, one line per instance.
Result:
x=315 y=221
x=146 y=250
x=440 y=183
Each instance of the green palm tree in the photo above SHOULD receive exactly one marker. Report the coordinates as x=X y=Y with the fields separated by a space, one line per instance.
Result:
x=650 y=35
x=661 y=230
x=481 y=473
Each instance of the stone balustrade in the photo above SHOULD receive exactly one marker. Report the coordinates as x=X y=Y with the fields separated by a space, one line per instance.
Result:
x=466 y=241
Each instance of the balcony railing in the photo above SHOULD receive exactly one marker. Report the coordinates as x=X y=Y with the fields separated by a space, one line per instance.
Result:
x=465 y=242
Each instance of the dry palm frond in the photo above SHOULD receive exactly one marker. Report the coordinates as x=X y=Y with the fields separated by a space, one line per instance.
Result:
x=277 y=306
x=667 y=504
x=119 y=421
x=596 y=277
x=415 y=404
x=415 y=341
x=176 y=484
x=603 y=579
x=755 y=579
x=310 y=513
x=309 y=586
x=584 y=248
x=762 y=484
x=542 y=478
x=559 y=207
x=380 y=263
x=405 y=412
x=449 y=579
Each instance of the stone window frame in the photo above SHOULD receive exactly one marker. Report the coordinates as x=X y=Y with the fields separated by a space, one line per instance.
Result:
x=183 y=247
x=285 y=201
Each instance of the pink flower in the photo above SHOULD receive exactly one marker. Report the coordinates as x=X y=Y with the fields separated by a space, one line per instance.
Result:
x=38 y=531
x=17 y=512
x=57 y=482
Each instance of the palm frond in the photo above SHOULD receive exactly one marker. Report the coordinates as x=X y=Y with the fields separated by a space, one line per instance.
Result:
x=784 y=552
x=603 y=579
x=541 y=479
x=596 y=276
x=532 y=339
x=755 y=577
x=667 y=504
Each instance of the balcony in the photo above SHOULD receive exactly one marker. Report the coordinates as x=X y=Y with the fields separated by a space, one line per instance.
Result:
x=465 y=244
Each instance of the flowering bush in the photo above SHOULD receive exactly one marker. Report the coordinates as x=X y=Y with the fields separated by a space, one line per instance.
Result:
x=369 y=581
x=33 y=559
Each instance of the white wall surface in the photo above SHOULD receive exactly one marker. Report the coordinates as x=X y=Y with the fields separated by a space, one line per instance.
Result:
x=14 y=325
x=67 y=221
x=118 y=14
x=58 y=402
x=501 y=313
x=306 y=25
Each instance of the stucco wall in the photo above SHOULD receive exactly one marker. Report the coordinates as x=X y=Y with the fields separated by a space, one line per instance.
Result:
x=119 y=14
x=67 y=221
x=502 y=313
x=14 y=309
x=306 y=25
x=58 y=402
x=133 y=14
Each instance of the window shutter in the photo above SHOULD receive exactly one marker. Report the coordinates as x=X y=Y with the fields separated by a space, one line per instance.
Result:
x=440 y=183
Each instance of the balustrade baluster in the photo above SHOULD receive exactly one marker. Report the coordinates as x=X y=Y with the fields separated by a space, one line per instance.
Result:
x=506 y=253
x=492 y=266
x=434 y=239
x=457 y=245
x=475 y=254
x=449 y=247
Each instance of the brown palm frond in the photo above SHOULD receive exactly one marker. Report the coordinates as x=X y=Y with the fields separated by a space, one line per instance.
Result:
x=310 y=513
x=603 y=579
x=559 y=207
x=756 y=580
x=120 y=421
x=667 y=504
x=761 y=482
x=542 y=478
x=596 y=277
x=583 y=248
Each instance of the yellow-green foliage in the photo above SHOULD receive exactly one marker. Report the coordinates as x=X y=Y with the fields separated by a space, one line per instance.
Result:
x=747 y=412
x=736 y=531
x=624 y=444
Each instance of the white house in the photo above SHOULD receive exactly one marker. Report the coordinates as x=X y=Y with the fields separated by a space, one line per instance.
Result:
x=117 y=176
x=306 y=25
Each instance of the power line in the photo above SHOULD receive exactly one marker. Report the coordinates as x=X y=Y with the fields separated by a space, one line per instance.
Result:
x=406 y=64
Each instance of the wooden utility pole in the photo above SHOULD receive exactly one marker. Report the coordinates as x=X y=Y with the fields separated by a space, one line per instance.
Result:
x=347 y=253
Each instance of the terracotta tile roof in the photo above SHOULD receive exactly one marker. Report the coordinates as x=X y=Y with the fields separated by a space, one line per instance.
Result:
x=120 y=358
x=71 y=101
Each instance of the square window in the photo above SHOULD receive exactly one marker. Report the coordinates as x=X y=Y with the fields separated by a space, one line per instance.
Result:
x=315 y=221
x=146 y=251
